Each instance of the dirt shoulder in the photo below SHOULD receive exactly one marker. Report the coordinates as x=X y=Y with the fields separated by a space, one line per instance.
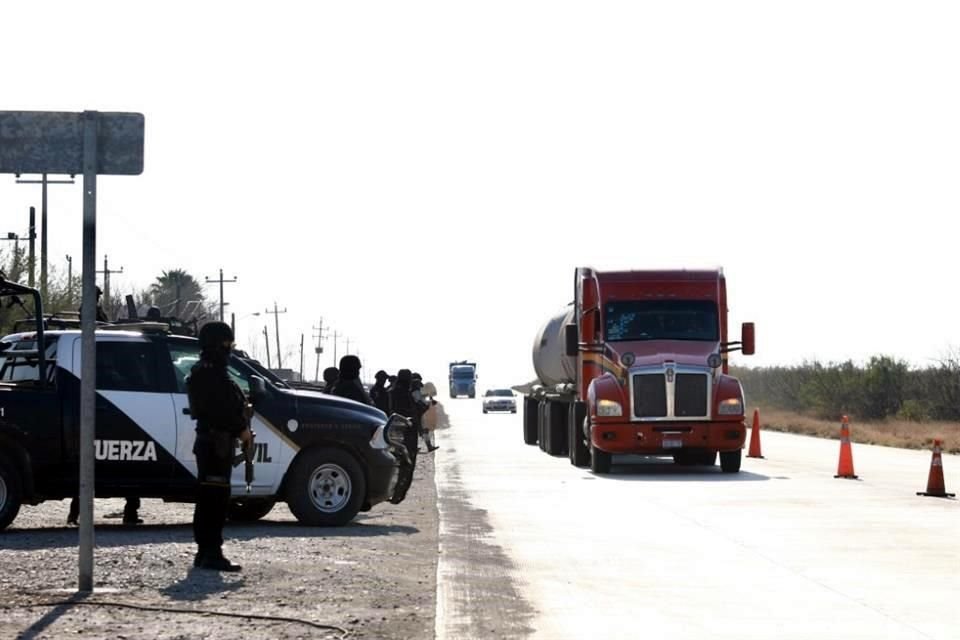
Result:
x=373 y=579
x=890 y=433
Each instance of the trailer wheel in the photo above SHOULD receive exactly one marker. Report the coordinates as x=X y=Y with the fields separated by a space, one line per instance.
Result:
x=530 y=409
x=730 y=461
x=11 y=492
x=600 y=461
x=541 y=422
x=326 y=487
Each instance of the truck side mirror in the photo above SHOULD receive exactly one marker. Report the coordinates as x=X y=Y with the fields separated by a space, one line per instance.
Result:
x=571 y=339
x=748 y=338
x=258 y=388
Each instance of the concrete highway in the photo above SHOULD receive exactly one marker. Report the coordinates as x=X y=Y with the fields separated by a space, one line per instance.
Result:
x=531 y=546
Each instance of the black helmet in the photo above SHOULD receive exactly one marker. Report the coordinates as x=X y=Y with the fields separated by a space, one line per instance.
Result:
x=381 y=375
x=349 y=367
x=214 y=334
x=331 y=374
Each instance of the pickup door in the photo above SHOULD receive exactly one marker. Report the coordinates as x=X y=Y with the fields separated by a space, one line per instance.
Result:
x=136 y=434
x=273 y=451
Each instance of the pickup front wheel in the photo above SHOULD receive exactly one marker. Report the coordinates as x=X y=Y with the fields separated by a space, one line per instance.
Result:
x=11 y=492
x=326 y=487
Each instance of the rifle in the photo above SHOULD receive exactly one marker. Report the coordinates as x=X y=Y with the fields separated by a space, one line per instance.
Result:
x=246 y=457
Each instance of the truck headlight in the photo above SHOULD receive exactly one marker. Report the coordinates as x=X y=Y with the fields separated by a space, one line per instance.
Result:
x=609 y=408
x=731 y=407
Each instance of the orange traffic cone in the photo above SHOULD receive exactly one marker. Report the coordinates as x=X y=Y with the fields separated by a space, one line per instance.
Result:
x=935 y=485
x=755 y=436
x=845 y=468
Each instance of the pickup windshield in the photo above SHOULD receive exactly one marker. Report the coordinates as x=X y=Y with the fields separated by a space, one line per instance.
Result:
x=18 y=361
x=631 y=320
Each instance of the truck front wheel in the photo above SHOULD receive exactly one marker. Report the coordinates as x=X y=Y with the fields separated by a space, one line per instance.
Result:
x=730 y=461
x=326 y=487
x=599 y=460
x=11 y=492
x=579 y=451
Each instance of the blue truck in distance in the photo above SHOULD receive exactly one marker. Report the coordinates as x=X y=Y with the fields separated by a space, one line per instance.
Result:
x=463 y=379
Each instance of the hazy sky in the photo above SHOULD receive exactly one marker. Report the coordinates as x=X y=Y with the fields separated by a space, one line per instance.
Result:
x=426 y=176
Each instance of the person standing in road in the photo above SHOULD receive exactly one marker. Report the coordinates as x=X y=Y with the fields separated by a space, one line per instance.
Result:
x=349 y=385
x=223 y=416
x=430 y=418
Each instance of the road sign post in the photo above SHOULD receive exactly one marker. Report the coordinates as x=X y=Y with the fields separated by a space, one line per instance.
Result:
x=88 y=143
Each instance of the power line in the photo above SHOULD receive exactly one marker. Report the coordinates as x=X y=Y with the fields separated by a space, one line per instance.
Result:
x=106 y=280
x=276 y=316
x=43 y=181
x=319 y=348
x=221 y=281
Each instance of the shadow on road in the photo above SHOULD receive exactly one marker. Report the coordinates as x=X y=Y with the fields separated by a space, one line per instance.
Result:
x=37 y=628
x=108 y=535
x=199 y=585
x=639 y=469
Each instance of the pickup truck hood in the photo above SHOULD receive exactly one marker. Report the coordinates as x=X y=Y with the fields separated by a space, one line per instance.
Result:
x=322 y=401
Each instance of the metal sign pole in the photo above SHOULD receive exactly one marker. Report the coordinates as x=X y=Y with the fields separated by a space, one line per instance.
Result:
x=88 y=318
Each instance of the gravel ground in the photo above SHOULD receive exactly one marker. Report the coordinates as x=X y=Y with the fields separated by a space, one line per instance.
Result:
x=373 y=579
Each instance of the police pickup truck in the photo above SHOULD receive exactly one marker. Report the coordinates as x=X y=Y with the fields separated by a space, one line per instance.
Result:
x=326 y=457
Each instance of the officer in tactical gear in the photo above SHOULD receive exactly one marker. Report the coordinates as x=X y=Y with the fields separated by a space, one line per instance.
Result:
x=223 y=416
x=401 y=401
x=330 y=377
x=378 y=392
x=349 y=385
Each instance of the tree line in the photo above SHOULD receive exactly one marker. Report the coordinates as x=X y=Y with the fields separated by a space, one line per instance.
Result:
x=175 y=292
x=884 y=387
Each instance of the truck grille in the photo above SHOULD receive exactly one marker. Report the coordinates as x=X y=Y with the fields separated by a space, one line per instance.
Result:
x=653 y=392
x=690 y=398
x=649 y=396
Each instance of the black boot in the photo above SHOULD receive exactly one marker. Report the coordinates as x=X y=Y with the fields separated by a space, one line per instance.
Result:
x=216 y=562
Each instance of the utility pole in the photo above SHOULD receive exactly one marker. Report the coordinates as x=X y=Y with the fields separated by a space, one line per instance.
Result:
x=43 y=225
x=319 y=348
x=276 y=316
x=106 y=280
x=266 y=340
x=336 y=335
x=221 y=281
x=348 y=346
x=301 y=357
x=32 y=258
x=69 y=280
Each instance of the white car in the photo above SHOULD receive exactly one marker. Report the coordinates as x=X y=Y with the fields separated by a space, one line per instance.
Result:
x=499 y=400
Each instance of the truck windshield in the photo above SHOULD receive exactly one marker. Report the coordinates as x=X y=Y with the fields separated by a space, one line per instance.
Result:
x=463 y=372
x=661 y=320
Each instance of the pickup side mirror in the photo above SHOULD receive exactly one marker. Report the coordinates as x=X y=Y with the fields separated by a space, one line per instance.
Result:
x=748 y=338
x=571 y=339
x=258 y=388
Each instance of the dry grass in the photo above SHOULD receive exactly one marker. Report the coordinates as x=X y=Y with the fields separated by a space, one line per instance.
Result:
x=889 y=433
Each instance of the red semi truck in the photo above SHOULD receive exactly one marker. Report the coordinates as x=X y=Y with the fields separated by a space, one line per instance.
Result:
x=637 y=364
